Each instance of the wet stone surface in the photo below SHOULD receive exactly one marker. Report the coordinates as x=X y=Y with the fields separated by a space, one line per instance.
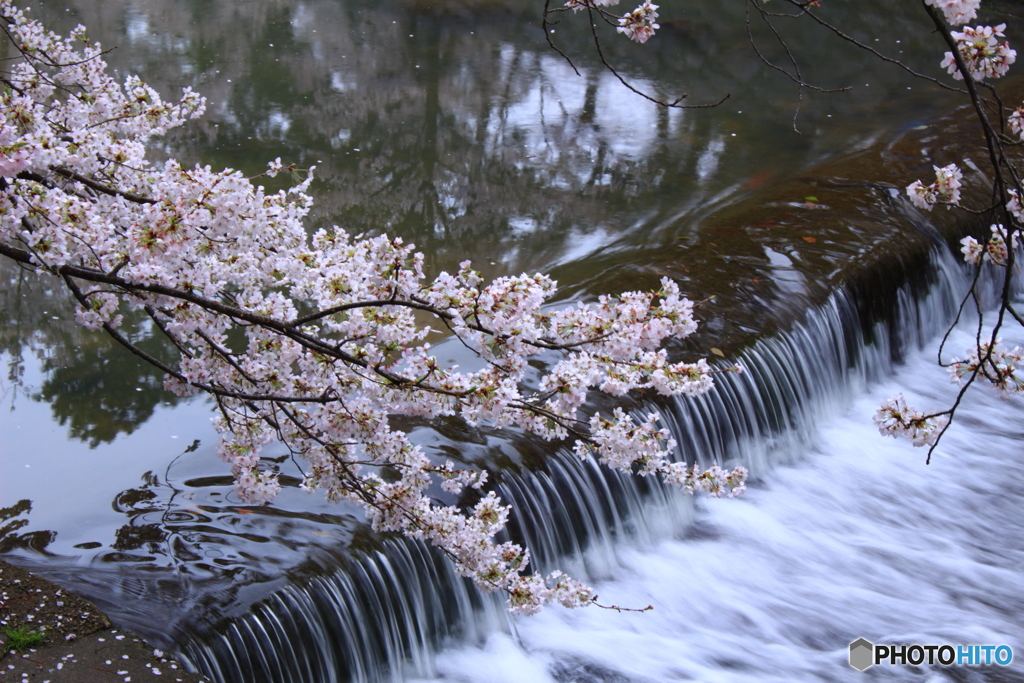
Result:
x=79 y=646
x=32 y=603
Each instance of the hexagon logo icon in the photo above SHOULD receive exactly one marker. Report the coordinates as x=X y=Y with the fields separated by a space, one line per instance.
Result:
x=862 y=654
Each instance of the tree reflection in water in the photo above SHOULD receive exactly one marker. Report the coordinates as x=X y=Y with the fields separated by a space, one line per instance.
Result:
x=92 y=386
x=10 y=523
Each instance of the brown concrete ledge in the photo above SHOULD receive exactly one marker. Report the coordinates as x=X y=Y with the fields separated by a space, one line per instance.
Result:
x=81 y=645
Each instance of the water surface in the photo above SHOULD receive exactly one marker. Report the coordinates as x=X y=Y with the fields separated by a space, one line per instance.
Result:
x=455 y=126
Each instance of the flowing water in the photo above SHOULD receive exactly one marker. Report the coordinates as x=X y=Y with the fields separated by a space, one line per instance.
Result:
x=852 y=537
x=456 y=127
x=844 y=535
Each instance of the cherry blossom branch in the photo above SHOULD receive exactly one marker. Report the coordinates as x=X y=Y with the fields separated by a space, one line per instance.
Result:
x=222 y=270
x=806 y=11
x=638 y=25
x=97 y=186
x=796 y=76
x=975 y=54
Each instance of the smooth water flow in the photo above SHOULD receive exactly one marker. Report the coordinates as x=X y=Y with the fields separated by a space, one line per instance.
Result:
x=393 y=607
x=853 y=538
x=452 y=124
x=844 y=535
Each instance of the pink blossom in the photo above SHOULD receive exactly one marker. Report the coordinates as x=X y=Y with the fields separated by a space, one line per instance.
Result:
x=639 y=25
x=896 y=419
x=333 y=344
x=994 y=250
x=1016 y=122
x=1002 y=367
x=957 y=12
x=983 y=54
x=945 y=189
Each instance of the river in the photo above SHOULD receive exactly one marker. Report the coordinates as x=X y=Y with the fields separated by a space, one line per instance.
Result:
x=455 y=126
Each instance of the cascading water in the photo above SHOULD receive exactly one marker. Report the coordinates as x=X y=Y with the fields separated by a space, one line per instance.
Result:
x=386 y=608
x=386 y=97
x=762 y=418
x=855 y=538
x=832 y=503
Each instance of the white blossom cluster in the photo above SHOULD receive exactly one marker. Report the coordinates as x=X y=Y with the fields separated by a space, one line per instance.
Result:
x=1002 y=367
x=638 y=25
x=993 y=251
x=625 y=445
x=957 y=12
x=714 y=481
x=896 y=419
x=1016 y=122
x=318 y=343
x=945 y=189
x=983 y=54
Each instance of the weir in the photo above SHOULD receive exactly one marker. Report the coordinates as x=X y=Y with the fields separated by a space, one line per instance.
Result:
x=867 y=283
x=383 y=615
x=823 y=282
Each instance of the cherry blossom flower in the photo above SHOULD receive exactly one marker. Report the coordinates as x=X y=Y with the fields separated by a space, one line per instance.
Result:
x=1002 y=367
x=957 y=12
x=993 y=251
x=1013 y=205
x=317 y=343
x=896 y=419
x=945 y=189
x=1016 y=122
x=639 y=25
x=982 y=52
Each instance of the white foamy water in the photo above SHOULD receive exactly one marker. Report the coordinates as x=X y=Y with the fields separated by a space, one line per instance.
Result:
x=856 y=538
